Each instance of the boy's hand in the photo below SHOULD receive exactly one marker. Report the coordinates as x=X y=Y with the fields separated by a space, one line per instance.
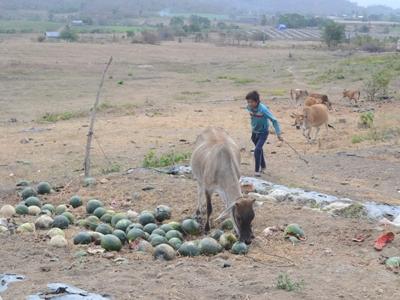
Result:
x=280 y=138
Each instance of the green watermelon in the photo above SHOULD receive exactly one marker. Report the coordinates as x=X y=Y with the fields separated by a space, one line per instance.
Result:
x=156 y=240
x=106 y=218
x=294 y=230
x=227 y=224
x=111 y=243
x=150 y=227
x=239 y=248
x=75 y=201
x=173 y=234
x=146 y=218
x=135 y=233
x=189 y=249
x=175 y=243
x=209 y=246
x=92 y=205
x=28 y=192
x=61 y=209
x=117 y=217
x=99 y=212
x=83 y=238
x=104 y=229
x=21 y=209
x=92 y=222
x=120 y=234
x=166 y=227
x=49 y=207
x=216 y=234
x=134 y=225
x=191 y=227
x=158 y=231
x=33 y=201
x=162 y=213
x=164 y=252
x=123 y=224
x=69 y=216
x=43 y=188
x=227 y=240
x=61 y=222
x=176 y=225
x=55 y=231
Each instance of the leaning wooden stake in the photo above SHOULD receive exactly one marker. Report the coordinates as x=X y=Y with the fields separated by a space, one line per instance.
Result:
x=92 y=119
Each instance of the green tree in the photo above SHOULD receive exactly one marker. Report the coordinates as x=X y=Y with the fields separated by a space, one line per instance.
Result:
x=333 y=33
x=176 y=22
x=263 y=21
x=68 y=34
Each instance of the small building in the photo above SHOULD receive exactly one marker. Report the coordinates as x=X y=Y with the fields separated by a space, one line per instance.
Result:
x=281 y=27
x=52 y=35
x=77 y=22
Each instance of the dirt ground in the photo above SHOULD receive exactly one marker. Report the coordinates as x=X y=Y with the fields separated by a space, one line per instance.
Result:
x=169 y=93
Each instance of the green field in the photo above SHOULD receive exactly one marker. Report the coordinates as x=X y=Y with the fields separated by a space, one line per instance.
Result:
x=20 y=26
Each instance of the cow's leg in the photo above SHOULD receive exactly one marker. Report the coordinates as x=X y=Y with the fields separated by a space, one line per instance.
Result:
x=209 y=211
x=200 y=203
x=316 y=134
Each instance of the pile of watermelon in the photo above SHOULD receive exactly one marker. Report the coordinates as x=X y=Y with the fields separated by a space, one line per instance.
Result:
x=150 y=231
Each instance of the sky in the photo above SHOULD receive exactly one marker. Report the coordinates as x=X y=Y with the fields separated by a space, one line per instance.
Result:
x=391 y=3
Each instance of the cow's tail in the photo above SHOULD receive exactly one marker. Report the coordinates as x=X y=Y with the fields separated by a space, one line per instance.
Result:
x=359 y=95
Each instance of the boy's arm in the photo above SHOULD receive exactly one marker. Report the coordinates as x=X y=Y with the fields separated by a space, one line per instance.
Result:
x=274 y=121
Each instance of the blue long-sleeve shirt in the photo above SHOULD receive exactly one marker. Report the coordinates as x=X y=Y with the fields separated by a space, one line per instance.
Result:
x=260 y=118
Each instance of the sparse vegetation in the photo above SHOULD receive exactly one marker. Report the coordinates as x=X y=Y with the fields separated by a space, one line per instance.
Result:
x=112 y=168
x=285 y=283
x=151 y=160
x=367 y=119
x=55 y=117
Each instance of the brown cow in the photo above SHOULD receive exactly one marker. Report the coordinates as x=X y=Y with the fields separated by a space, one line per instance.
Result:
x=323 y=99
x=215 y=165
x=312 y=116
x=352 y=95
x=312 y=101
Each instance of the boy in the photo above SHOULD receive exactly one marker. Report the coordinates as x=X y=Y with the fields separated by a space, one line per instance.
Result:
x=260 y=114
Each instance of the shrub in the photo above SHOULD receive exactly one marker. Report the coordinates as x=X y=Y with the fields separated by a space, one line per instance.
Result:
x=68 y=34
x=150 y=37
x=376 y=87
x=169 y=159
x=287 y=284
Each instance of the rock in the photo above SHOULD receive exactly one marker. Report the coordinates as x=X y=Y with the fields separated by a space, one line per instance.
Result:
x=279 y=195
x=34 y=210
x=7 y=211
x=222 y=262
x=58 y=241
x=164 y=252
x=3 y=229
x=43 y=222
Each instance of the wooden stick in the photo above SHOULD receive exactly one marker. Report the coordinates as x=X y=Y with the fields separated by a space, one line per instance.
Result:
x=92 y=119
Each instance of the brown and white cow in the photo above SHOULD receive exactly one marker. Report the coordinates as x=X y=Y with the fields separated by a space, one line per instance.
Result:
x=352 y=95
x=298 y=94
x=215 y=165
x=312 y=117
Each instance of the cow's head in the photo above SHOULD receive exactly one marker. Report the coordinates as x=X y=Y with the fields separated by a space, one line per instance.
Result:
x=243 y=215
x=298 y=120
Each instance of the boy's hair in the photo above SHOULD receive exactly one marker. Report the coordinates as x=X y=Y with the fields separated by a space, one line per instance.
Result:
x=254 y=95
